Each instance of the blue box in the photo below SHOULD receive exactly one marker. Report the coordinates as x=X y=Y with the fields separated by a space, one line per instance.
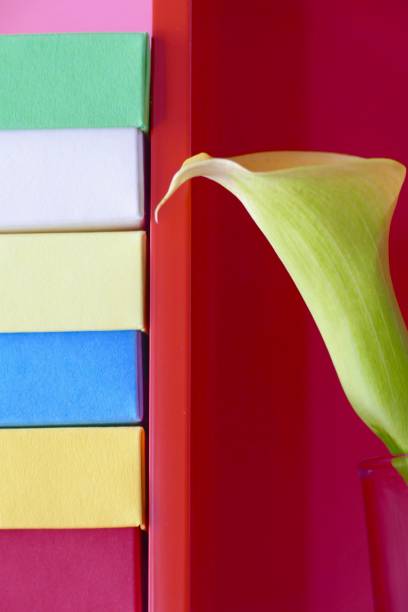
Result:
x=71 y=378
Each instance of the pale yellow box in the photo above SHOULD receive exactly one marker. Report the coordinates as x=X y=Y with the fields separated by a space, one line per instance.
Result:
x=72 y=281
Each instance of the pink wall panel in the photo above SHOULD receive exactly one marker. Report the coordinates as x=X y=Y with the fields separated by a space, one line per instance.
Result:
x=37 y=16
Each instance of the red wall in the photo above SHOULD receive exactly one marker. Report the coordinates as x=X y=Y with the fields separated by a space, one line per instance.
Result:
x=277 y=521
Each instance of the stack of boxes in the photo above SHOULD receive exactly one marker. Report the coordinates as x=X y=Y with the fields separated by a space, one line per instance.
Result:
x=73 y=109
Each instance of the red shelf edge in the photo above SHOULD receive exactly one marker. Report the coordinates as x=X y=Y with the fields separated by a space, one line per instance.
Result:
x=170 y=328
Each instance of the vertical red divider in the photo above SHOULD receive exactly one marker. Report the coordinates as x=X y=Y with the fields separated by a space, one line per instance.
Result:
x=170 y=330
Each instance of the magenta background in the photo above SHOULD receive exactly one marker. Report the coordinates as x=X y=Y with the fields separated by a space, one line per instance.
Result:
x=277 y=519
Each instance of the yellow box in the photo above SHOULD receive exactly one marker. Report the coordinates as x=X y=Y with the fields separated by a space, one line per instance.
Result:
x=71 y=477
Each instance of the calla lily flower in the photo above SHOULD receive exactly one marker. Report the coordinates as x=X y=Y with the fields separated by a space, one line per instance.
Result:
x=328 y=216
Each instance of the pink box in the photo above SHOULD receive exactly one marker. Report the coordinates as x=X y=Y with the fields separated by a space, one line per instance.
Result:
x=80 y=570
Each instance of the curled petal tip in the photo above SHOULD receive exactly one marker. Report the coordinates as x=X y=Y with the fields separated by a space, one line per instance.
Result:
x=164 y=199
x=158 y=207
x=181 y=176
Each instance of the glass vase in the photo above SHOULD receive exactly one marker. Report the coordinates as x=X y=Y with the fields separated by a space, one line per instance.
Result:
x=385 y=491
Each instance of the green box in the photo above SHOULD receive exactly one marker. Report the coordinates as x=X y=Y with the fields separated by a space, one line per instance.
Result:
x=74 y=81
